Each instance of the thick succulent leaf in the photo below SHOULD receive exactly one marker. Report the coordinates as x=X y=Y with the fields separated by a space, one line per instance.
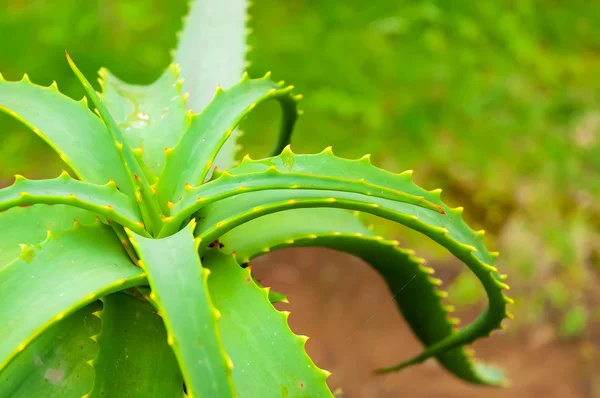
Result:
x=319 y=177
x=72 y=270
x=211 y=52
x=410 y=282
x=144 y=195
x=268 y=359
x=152 y=117
x=134 y=359
x=211 y=49
x=446 y=229
x=180 y=293
x=105 y=200
x=192 y=158
x=56 y=365
x=68 y=126
x=29 y=225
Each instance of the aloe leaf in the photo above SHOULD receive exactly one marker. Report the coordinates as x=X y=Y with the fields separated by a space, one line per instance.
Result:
x=274 y=177
x=56 y=365
x=29 y=225
x=179 y=291
x=76 y=134
x=269 y=360
x=191 y=159
x=211 y=52
x=212 y=47
x=105 y=200
x=446 y=229
x=151 y=117
x=410 y=282
x=143 y=193
x=134 y=359
x=72 y=269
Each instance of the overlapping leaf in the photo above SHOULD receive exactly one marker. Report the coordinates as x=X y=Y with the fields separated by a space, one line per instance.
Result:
x=448 y=229
x=144 y=195
x=56 y=365
x=68 y=126
x=268 y=359
x=72 y=270
x=152 y=117
x=29 y=225
x=105 y=200
x=410 y=282
x=190 y=161
x=211 y=52
x=134 y=359
x=319 y=178
x=179 y=290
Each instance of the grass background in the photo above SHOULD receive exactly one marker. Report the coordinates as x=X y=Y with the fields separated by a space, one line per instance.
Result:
x=496 y=102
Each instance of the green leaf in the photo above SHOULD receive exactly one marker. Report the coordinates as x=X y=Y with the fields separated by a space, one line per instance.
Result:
x=178 y=283
x=105 y=200
x=29 y=225
x=268 y=359
x=144 y=195
x=410 y=282
x=191 y=159
x=446 y=229
x=211 y=52
x=68 y=126
x=211 y=49
x=319 y=177
x=72 y=270
x=152 y=117
x=56 y=365
x=134 y=359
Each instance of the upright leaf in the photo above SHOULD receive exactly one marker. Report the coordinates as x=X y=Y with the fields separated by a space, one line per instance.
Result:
x=144 y=195
x=152 y=117
x=179 y=290
x=191 y=159
x=212 y=48
x=212 y=52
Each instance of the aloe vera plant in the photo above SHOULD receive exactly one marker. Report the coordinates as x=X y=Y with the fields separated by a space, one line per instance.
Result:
x=131 y=277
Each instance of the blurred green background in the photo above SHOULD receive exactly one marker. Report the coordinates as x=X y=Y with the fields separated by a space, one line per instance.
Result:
x=497 y=102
